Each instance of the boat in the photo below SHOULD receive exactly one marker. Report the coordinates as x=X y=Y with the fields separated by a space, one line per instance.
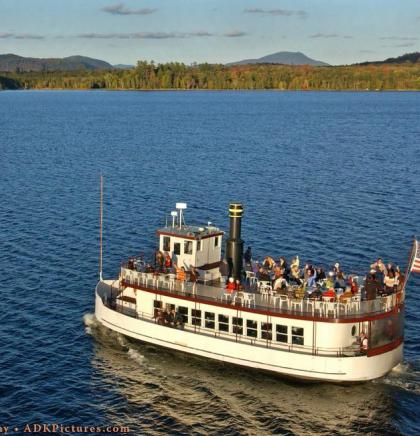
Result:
x=330 y=340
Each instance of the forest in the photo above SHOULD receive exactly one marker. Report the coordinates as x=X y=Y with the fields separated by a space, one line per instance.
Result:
x=150 y=76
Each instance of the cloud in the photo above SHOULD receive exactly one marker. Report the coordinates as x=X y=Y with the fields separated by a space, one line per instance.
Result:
x=120 y=9
x=399 y=38
x=234 y=34
x=20 y=36
x=161 y=35
x=146 y=35
x=406 y=44
x=329 y=35
x=366 y=51
x=277 y=12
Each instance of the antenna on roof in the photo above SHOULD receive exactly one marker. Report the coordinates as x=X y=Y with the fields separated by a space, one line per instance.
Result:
x=101 y=218
x=181 y=207
x=174 y=215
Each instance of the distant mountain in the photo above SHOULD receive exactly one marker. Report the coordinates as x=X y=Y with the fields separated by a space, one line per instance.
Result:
x=283 y=57
x=11 y=62
x=123 y=67
x=406 y=58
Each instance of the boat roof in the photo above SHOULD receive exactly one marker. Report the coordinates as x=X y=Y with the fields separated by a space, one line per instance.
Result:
x=190 y=232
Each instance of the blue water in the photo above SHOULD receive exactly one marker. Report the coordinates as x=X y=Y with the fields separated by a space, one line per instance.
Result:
x=329 y=176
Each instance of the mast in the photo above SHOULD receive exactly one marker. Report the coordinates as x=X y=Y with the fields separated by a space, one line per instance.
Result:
x=101 y=217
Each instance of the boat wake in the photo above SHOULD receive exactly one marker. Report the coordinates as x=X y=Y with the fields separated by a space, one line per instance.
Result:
x=405 y=376
x=89 y=320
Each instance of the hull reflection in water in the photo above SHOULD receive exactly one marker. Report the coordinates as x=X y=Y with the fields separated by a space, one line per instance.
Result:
x=164 y=390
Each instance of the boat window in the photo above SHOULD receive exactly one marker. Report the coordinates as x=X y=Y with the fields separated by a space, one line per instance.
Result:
x=209 y=320
x=353 y=331
x=297 y=335
x=196 y=317
x=223 y=323
x=188 y=247
x=166 y=243
x=237 y=325
x=157 y=304
x=184 y=313
x=177 y=248
x=266 y=330
x=251 y=328
x=281 y=331
x=199 y=245
x=216 y=241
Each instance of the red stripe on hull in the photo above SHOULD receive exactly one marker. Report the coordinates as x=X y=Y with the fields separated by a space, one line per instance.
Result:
x=385 y=348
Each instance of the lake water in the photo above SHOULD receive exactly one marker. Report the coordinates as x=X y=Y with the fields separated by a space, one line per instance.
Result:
x=329 y=176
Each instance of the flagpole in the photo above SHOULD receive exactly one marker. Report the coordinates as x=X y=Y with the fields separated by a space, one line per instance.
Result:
x=410 y=263
x=101 y=217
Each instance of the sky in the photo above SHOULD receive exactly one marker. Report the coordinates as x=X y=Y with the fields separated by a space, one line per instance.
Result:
x=215 y=31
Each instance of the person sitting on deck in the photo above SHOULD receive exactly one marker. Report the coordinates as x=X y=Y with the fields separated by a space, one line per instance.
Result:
x=283 y=265
x=312 y=277
x=194 y=275
x=178 y=320
x=295 y=274
x=263 y=275
x=339 y=281
x=354 y=287
x=320 y=274
x=280 y=284
x=330 y=294
x=336 y=268
x=316 y=293
x=269 y=262
x=159 y=260
x=231 y=285
x=329 y=282
x=255 y=267
x=363 y=342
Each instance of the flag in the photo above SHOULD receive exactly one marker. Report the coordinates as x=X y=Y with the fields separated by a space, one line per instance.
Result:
x=415 y=266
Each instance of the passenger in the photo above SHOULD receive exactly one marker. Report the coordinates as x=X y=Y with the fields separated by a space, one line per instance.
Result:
x=295 y=262
x=389 y=282
x=379 y=266
x=329 y=283
x=283 y=265
x=237 y=284
x=171 y=318
x=178 y=320
x=330 y=294
x=295 y=274
x=320 y=274
x=339 y=281
x=263 y=275
x=336 y=268
x=255 y=267
x=316 y=294
x=167 y=316
x=194 y=275
x=280 y=284
x=354 y=287
x=269 y=262
x=390 y=267
x=160 y=260
x=311 y=282
x=168 y=261
x=363 y=342
x=181 y=274
x=231 y=285
x=248 y=256
x=372 y=286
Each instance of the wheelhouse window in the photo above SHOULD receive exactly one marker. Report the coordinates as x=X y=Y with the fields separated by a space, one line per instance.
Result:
x=251 y=328
x=297 y=335
x=209 y=320
x=196 y=317
x=223 y=323
x=184 y=313
x=199 y=245
x=188 y=247
x=166 y=246
x=281 y=333
x=266 y=331
x=216 y=241
x=177 y=248
x=237 y=324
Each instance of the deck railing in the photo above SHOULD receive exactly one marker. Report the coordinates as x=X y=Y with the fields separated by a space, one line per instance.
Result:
x=353 y=307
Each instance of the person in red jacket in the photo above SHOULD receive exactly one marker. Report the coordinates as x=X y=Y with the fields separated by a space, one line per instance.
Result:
x=231 y=285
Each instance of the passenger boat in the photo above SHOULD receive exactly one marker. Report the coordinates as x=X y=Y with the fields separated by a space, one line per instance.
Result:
x=284 y=334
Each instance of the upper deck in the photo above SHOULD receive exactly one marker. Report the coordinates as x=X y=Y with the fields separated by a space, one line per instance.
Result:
x=289 y=305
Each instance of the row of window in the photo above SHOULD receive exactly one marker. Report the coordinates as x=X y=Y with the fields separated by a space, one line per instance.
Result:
x=240 y=326
x=188 y=245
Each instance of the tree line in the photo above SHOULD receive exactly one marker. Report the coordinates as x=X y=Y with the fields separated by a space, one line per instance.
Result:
x=174 y=75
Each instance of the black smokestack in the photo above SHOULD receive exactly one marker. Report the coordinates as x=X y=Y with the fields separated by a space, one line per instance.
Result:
x=235 y=245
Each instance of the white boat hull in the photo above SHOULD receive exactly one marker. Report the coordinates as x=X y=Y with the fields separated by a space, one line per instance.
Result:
x=291 y=364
